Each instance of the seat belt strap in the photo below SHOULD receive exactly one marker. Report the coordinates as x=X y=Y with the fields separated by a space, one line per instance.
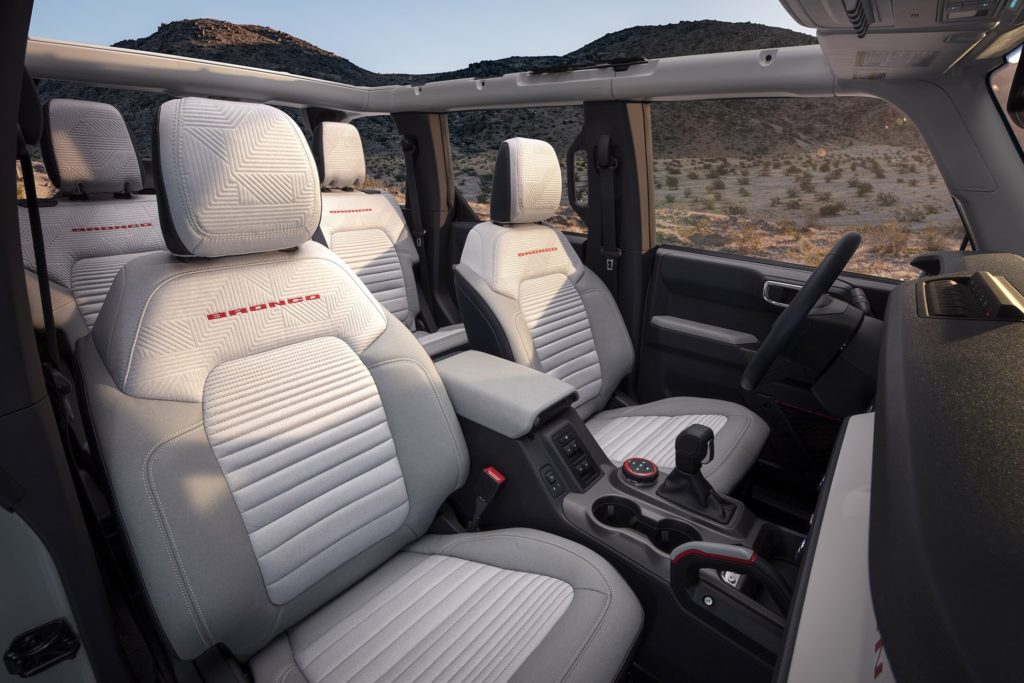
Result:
x=419 y=235
x=58 y=385
x=606 y=259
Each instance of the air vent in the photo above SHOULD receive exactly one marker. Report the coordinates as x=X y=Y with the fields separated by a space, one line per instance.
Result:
x=895 y=58
x=868 y=75
x=860 y=15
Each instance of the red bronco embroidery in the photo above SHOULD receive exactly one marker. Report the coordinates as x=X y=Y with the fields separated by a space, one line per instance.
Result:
x=262 y=307
x=104 y=228
x=537 y=251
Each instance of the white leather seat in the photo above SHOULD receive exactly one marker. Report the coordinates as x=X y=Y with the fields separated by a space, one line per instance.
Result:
x=278 y=444
x=368 y=231
x=97 y=223
x=525 y=295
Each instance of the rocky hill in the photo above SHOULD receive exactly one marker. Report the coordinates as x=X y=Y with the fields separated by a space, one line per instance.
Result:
x=702 y=129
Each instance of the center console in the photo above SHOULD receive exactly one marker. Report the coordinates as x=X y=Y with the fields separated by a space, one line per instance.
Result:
x=710 y=573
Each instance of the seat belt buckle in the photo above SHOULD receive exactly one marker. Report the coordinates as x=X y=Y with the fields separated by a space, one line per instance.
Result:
x=487 y=487
x=417 y=236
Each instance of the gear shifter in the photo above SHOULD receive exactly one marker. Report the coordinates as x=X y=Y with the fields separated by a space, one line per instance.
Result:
x=686 y=485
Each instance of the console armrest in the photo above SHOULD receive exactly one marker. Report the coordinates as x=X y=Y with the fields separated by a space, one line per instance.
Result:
x=503 y=396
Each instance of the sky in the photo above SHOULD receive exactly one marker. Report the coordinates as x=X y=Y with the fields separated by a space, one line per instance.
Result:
x=403 y=36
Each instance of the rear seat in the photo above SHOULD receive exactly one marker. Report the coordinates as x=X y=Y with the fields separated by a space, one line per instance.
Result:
x=367 y=230
x=96 y=223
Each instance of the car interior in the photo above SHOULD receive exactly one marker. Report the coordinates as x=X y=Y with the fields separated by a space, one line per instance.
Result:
x=269 y=419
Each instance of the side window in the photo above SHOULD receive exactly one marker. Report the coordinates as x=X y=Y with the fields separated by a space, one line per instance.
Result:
x=475 y=137
x=382 y=147
x=782 y=179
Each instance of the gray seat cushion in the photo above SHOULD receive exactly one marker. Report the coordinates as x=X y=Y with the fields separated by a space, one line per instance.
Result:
x=515 y=604
x=650 y=431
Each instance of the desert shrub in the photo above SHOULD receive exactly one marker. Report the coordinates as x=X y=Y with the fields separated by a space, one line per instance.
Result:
x=672 y=182
x=716 y=184
x=743 y=180
x=824 y=197
x=911 y=214
x=806 y=185
x=736 y=210
x=670 y=199
x=936 y=238
x=791 y=204
x=693 y=175
x=792 y=170
x=708 y=202
x=744 y=192
x=483 y=197
x=888 y=239
x=912 y=182
x=792 y=192
x=687 y=192
x=831 y=209
x=886 y=199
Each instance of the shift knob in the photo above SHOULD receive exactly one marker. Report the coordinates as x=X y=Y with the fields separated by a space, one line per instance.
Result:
x=693 y=444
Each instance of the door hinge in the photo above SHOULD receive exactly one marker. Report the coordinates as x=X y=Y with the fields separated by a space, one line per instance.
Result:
x=38 y=649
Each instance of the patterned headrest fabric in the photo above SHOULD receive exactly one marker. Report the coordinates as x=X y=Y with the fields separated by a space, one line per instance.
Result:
x=232 y=178
x=527 y=182
x=506 y=257
x=339 y=155
x=87 y=148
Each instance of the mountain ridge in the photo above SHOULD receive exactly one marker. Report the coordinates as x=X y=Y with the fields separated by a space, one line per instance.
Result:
x=712 y=128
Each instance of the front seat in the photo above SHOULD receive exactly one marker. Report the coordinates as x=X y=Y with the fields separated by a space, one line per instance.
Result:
x=277 y=444
x=525 y=296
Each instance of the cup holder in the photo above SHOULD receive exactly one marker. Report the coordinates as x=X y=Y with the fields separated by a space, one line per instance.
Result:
x=621 y=513
x=617 y=512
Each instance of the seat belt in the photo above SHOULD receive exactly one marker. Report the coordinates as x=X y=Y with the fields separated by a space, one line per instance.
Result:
x=419 y=235
x=57 y=384
x=606 y=259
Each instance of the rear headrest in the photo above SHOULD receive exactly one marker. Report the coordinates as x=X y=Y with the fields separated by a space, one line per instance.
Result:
x=527 y=185
x=30 y=112
x=232 y=178
x=87 y=148
x=339 y=155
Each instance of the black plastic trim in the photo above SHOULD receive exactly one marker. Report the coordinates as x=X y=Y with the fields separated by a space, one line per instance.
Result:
x=484 y=331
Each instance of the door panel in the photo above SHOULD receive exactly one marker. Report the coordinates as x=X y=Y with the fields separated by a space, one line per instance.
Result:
x=706 y=314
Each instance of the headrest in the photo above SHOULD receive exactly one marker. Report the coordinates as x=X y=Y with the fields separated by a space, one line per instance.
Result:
x=87 y=148
x=30 y=112
x=232 y=178
x=527 y=185
x=339 y=155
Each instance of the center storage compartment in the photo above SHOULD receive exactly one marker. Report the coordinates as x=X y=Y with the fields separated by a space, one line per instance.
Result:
x=622 y=513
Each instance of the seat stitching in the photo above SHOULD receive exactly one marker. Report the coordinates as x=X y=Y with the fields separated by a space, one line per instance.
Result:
x=604 y=612
x=437 y=397
x=172 y=550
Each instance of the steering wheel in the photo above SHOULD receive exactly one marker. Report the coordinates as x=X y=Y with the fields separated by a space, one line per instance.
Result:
x=787 y=324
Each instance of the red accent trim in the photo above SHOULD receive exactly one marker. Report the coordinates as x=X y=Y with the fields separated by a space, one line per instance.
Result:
x=494 y=474
x=350 y=210
x=537 y=251
x=654 y=473
x=830 y=418
x=107 y=228
x=255 y=308
x=712 y=556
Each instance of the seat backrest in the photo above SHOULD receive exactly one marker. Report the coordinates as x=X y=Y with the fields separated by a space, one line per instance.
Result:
x=97 y=223
x=270 y=433
x=365 y=228
x=525 y=295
